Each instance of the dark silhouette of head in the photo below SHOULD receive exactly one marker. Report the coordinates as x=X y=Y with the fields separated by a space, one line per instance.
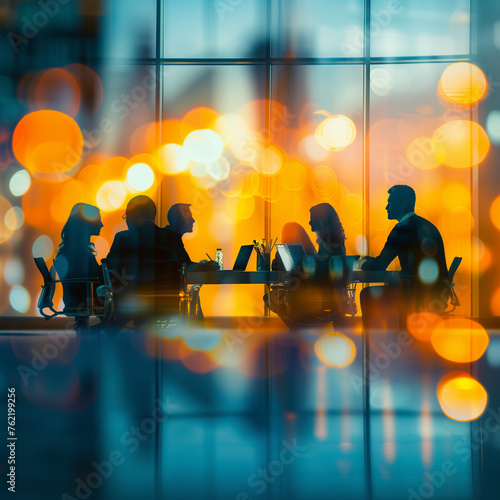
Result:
x=400 y=202
x=325 y=222
x=294 y=234
x=83 y=222
x=180 y=218
x=140 y=209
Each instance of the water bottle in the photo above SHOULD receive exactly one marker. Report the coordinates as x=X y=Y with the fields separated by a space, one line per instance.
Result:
x=219 y=258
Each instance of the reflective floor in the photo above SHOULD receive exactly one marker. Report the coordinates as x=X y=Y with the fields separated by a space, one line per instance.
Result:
x=244 y=410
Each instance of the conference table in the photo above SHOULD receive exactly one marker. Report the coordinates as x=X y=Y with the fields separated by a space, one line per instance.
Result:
x=269 y=277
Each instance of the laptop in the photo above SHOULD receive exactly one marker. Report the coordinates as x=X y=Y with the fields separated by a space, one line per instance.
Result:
x=291 y=255
x=241 y=262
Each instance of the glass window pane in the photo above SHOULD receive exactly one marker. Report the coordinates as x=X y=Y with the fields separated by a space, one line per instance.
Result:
x=219 y=180
x=318 y=167
x=198 y=28
x=424 y=28
x=130 y=30
x=405 y=148
x=318 y=28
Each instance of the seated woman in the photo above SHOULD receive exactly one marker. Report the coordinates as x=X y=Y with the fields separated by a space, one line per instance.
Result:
x=316 y=296
x=76 y=259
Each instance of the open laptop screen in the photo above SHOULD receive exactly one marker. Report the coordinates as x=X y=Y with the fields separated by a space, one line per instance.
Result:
x=291 y=255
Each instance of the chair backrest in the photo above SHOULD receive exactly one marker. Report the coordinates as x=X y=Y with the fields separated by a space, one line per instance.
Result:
x=454 y=266
x=44 y=270
x=146 y=274
x=144 y=289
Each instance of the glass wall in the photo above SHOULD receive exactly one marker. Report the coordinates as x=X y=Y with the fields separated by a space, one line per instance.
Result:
x=294 y=103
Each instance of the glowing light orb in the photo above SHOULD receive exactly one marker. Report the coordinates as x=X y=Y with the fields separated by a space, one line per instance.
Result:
x=335 y=349
x=233 y=185
x=219 y=170
x=19 y=299
x=462 y=83
x=201 y=340
x=493 y=353
x=495 y=303
x=269 y=161
x=323 y=182
x=203 y=146
x=465 y=143
x=460 y=340
x=495 y=212
x=493 y=126
x=174 y=159
x=20 y=183
x=310 y=148
x=336 y=132
x=198 y=170
x=47 y=142
x=380 y=81
x=13 y=272
x=5 y=230
x=461 y=397
x=43 y=247
x=421 y=324
x=14 y=218
x=58 y=90
x=140 y=177
x=241 y=208
x=111 y=195
x=425 y=153
x=351 y=208
x=428 y=271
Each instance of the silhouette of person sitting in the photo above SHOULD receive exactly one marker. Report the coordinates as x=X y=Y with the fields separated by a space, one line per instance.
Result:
x=313 y=298
x=143 y=241
x=141 y=263
x=325 y=222
x=181 y=221
x=76 y=257
x=419 y=247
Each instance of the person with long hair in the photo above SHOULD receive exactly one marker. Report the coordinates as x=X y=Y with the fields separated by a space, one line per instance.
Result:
x=76 y=255
x=312 y=289
x=330 y=235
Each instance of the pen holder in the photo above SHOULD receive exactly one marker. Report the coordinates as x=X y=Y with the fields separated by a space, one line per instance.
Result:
x=263 y=262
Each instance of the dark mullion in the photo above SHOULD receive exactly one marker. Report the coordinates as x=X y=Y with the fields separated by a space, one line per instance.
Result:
x=262 y=61
x=366 y=228
x=158 y=116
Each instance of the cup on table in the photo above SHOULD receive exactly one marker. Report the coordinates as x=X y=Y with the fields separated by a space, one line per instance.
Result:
x=264 y=261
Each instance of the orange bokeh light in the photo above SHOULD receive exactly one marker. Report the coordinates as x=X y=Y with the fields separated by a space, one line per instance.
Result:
x=460 y=340
x=58 y=90
x=336 y=132
x=5 y=232
x=462 y=84
x=335 y=349
x=198 y=118
x=495 y=212
x=47 y=142
x=421 y=324
x=464 y=142
x=425 y=153
x=461 y=397
x=495 y=303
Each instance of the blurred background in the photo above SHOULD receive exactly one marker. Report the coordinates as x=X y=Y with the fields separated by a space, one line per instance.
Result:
x=252 y=111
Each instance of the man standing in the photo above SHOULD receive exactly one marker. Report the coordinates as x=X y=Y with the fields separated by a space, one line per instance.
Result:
x=419 y=247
